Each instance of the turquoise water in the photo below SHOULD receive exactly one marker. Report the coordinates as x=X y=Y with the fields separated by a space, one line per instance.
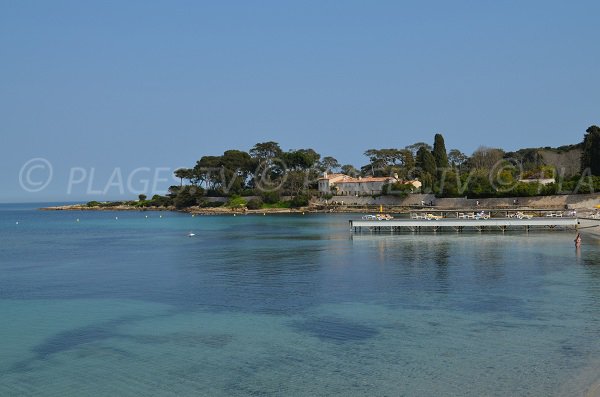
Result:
x=289 y=305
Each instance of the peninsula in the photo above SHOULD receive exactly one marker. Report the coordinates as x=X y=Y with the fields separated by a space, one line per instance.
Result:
x=420 y=175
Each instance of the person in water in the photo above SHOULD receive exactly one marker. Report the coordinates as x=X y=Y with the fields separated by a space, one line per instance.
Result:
x=578 y=240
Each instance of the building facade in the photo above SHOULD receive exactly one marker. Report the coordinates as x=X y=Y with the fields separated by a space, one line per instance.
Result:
x=344 y=185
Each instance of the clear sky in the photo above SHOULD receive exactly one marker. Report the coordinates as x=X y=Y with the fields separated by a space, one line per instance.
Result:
x=106 y=85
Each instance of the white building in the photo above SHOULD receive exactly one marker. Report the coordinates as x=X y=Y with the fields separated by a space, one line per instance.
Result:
x=344 y=185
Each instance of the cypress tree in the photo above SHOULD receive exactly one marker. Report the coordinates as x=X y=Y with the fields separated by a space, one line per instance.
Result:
x=426 y=161
x=590 y=157
x=439 y=151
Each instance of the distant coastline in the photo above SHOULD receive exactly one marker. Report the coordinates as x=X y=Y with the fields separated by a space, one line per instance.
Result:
x=215 y=211
x=580 y=203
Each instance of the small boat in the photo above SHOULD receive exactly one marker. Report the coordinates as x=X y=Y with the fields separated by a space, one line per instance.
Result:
x=190 y=234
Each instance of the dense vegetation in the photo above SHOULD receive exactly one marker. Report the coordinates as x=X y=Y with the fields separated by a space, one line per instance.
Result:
x=268 y=177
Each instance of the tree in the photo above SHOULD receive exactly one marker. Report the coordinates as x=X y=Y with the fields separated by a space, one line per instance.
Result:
x=590 y=156
x=266 y=151
x=439 y=151
x=349 y=170
x=301 y=159
x=184 y=173
x=270 y=167
x=301 y=172
x=414 y=148
x=407 y=158
x=385 y=162
x=329 y=164
x=188 y=196
x=456 y=157
x=426 y=161
x=485 y=158
x=530 y=159
x=142 y=197
x=236 y=168
x=254 y=204
x=206 y=172
x=238 y=162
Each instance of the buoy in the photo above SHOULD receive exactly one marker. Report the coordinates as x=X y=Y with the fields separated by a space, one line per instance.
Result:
x=116 y=217
x=77 y=219
x=16 y=223
x=303 y=213
x=264 y=214
x=233 y=214
x=193 y=215
x=160 y=216
x=146 y=216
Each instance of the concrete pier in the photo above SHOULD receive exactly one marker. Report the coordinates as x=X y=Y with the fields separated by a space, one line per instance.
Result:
x=459 y=225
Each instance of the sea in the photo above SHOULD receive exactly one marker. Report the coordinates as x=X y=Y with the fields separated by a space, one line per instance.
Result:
x=128 y=304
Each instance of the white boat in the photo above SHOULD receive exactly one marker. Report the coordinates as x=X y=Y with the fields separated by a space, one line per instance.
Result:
x=589 y=226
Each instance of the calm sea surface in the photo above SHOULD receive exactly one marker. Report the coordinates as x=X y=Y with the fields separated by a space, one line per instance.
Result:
x=289 y=305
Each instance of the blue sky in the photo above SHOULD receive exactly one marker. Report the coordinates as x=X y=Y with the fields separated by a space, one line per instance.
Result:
x=110 y=85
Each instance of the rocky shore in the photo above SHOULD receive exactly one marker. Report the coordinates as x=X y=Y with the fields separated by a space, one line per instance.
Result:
x=318 y=207
x=198 y=210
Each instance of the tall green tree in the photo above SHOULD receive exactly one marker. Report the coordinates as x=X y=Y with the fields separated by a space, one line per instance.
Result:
x=439 y=151
x=426 y=161
x=428 y=170
x=590 y=156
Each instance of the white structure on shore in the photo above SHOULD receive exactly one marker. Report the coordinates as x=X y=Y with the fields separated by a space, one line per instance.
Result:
x=344 y=185
x=541 y=181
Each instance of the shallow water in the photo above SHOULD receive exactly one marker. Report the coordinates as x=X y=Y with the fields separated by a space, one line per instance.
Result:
x=289 y=305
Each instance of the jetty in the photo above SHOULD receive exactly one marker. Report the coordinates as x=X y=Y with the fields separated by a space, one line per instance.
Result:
x=460 y=223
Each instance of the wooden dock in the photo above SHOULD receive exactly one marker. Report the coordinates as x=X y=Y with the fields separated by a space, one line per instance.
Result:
x=459 y=225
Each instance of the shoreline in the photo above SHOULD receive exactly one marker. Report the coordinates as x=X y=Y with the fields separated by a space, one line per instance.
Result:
x=211 y=211
x=313 y=209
